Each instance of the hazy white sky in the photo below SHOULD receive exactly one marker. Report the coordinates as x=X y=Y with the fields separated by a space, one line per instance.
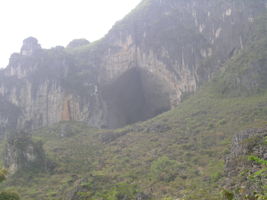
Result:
x=56 y=22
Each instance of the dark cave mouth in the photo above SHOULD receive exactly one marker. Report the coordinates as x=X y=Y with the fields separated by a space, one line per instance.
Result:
x=136 y=95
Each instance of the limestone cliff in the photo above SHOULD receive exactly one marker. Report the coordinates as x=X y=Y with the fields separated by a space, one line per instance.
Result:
x=144 y=66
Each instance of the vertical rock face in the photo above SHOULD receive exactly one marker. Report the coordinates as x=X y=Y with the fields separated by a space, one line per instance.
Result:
x=144 y=66
x=21 y=153
x=30 y=46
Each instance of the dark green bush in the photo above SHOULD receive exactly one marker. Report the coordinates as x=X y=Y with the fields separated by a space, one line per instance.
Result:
x=9 y=196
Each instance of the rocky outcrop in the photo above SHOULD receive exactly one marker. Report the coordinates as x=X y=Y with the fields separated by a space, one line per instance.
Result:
x=78 y=43
x=240 y=169
x=144 y=66
x=21 y=153
x=30 y=46
x=244 y=142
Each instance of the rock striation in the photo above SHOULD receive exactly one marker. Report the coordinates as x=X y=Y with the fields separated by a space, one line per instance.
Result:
x=159 y=53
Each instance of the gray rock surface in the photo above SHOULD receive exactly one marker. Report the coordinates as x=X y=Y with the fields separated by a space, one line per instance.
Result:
x=21 y=153
x=30 y=46
x=238 y=166
x=144 y=66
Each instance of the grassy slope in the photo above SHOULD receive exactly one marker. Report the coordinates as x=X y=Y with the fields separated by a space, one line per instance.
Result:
x=196 y=135
x=201 y=130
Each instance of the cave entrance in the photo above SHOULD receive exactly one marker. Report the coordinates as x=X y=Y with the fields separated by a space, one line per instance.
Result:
x=136 y=95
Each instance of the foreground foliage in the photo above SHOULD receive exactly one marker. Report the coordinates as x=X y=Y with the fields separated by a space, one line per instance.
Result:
x=7 y=195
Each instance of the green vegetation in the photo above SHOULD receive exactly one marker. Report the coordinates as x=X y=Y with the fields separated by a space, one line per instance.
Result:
x=259 y=178
x=227 y=195
x=177 y=155
x=28 y=155
x=246 y=169
x=164 y=169
x=3 y=173
x=245 y=74
x=184 y=160
x=7 y=195
x=259 y=161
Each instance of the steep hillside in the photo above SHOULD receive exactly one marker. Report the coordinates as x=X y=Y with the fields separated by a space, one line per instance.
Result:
x=167 y=47
x=177 y=155
x=246 y=166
